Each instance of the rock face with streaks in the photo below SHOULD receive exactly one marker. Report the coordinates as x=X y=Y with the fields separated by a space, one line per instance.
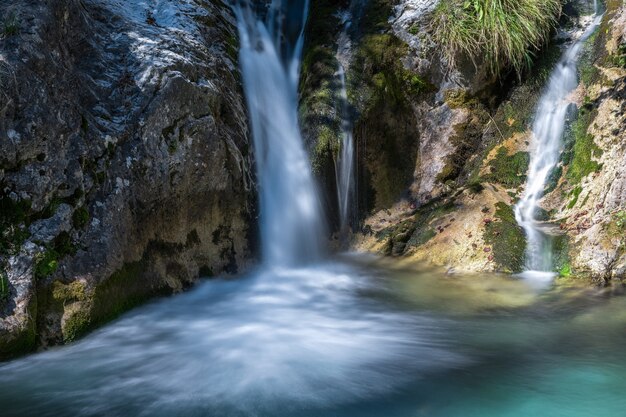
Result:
x=124 y=164
x=443 y=148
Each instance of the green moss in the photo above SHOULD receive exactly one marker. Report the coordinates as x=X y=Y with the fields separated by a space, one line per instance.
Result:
x=80 y=218
x=575 y=193
x=616 y=227
x=383 y=91
x=4 y=287
x=74 y=291
x=509 y=171
x=417 y=230
x=618 y=59
x=206 y=271
x=460 y=98
x=560 y=247
x=11 y=25
x=588 y=72
x=19 y=343
x=565 y=271
x=581 y=148
x=422 y=236
x=414 y=30
x=128 y=287
x=466 y=141
x=326 y=148
x=46 y=263
x=475 y=187
x=506 y=239
x=75 y=324
x=14 y=221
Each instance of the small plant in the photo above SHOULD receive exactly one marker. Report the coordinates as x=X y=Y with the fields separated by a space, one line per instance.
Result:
x=565 y=271
x=620 y=219
x=505 y=33
x=80 y=217
x=46 y=264
x=619 y=59
x=11 y=25
x=4 y=287
x=414 y=29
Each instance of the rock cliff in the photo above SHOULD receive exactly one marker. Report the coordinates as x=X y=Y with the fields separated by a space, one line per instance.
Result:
x=443 y=147
x=124 y=159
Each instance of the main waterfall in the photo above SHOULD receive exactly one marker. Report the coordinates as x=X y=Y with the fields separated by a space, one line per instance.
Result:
x=548 y=128
x=272 y=38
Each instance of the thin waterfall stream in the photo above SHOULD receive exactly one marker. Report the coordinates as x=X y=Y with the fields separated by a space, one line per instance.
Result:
x=346 y=176
x=548 y=128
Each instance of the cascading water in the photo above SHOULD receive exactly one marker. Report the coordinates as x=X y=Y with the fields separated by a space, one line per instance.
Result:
x=345 y=170
x=291 y=221
x=548 y=129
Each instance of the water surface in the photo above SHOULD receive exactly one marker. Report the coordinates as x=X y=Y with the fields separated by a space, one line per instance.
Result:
x=349 y=337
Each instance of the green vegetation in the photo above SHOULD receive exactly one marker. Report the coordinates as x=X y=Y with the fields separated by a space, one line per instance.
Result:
x=587 y=70
x=581 y=148
x=11 y=25
x=125 y=289
x=506 y=239
x=560 y=252
x=467 y=135
x=4 y=287
x=319 y=88
x=508 y=170
x=326 y=148
x=80 y=218
x=13 y=224
x=565 y=271
x=46 y=263
x=505 y=33
x=417 y=230
x=575 y=193
x=620 y=219
x=382 y=90
x=619 y=58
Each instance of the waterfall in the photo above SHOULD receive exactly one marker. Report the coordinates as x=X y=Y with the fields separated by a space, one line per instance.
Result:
x=345 y=170
x=270 y=53
x=548 y=128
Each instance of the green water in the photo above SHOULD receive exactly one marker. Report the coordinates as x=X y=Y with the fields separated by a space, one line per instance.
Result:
x=353 y=337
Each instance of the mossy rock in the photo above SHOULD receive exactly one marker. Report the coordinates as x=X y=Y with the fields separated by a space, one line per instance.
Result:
x=383 y=91
x=506 y=240
x=508 y=170
x=417 y=230
x=580 y=147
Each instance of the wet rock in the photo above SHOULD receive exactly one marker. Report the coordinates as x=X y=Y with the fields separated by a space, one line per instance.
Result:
x=45 y=231
x=131 y=116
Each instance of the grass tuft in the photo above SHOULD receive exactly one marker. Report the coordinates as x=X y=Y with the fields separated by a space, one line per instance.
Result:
x=505 y=33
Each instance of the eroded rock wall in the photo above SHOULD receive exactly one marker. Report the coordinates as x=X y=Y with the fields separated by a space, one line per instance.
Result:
x=124 y=159
x=443 y=147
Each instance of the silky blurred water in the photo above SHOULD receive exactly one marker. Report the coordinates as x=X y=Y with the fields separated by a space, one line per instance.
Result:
x=547 y=145
x=350 y=337
x=291 y=217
